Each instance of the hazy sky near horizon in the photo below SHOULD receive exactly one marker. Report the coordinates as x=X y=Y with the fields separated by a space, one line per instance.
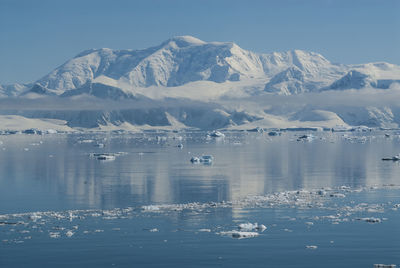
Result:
x=37 y=36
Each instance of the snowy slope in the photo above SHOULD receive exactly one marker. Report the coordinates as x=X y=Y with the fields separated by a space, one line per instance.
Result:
x=13 y=90
x=185 y=59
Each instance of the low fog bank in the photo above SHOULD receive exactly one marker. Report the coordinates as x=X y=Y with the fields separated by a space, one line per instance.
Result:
x=369 y=107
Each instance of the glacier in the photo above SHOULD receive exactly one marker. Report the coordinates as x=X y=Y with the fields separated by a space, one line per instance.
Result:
x=187 y=83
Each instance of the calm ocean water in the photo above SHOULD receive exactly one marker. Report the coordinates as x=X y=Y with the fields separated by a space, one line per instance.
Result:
x=56 y=173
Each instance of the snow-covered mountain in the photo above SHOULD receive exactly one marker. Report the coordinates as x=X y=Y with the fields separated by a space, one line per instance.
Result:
x=187 y=68
x=357 y=80
x=182 y=60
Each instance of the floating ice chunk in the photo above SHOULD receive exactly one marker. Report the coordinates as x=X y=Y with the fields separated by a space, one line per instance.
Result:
x=179 y=138
x=205 y=230
x=54 y=234
x=311 y=247
x=239 y=234
x=217 y=134
x=261 y=228
x=248 y=226
x=393 y=158
x=107 y=157
x=86 y=141
x=340 y=195
x=69 y=233
x=98 y=231
x=151 y=208
x=321 y=192
x=252 y=226
x=384 y=265
x=206 y=158
x=153 y=230
x=195 y=159
x=99 y=145
x=309 y=223
x=307 y=137
x=34 y=217
x=371 y=220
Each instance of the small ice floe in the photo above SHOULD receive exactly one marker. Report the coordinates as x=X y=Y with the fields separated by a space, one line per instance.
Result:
x=69 y=233
x=86 y=141
x=178 y=138
x=307 y=137
x=311 y=247
x=99 y=145
x=393 y=158
x=153 y=230
x=105 y=156
x=371 y=220
x=34 y=217
x=217 y=134
x=239 y=234
x=151 y=208
x=339 y=195
x=252 y=226
x=384 y=265
x=205 y=230
x=205 y=159
x=309 y=223
x=195 y=159
x=99 y=231
x=321 y=192
x=54 y=234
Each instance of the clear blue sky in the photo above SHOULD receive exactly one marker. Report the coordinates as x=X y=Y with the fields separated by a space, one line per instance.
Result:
x=38 y=35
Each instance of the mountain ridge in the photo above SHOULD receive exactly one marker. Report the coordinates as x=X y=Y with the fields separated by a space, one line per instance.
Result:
x=181 y=60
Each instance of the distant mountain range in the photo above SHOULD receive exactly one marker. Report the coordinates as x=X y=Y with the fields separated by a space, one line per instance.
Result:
x=182 y=60
x=205 y=85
